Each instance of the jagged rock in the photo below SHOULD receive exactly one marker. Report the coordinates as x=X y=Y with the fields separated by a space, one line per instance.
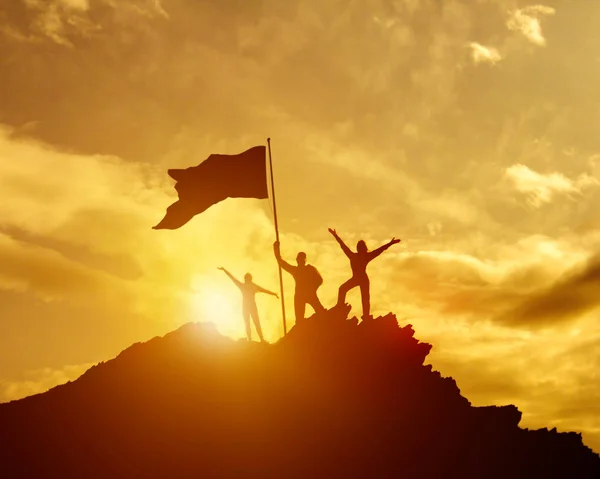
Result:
x=334 y=398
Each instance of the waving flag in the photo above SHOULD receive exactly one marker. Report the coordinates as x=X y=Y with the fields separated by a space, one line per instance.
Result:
x=215 y=179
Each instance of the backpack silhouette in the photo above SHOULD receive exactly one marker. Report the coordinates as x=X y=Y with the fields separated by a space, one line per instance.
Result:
x=316 y=279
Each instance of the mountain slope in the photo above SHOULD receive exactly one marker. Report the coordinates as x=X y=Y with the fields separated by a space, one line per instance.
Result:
x=332 y=399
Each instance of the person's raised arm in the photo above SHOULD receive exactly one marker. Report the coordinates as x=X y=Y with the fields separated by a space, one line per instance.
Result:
x=347 y=251
x=284 y=264
x=236 y=281
x=260 y=289
x=381 y=249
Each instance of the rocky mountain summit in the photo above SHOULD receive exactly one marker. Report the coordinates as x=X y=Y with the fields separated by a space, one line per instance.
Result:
x=334 y=398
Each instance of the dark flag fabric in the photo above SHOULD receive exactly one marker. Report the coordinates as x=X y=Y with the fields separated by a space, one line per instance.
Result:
x=215 y=179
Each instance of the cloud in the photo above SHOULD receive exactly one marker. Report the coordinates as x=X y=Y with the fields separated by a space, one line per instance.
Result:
x=56 y=20
x=45 y=190
x=56 y=204
x=526 y=20
x=49 y=276
x=64 y=21
x=570 y=298
x=434 y=228
x=542 y=188
x=39 y=380
x=483 y=54
x=81 y=5
x=480 y=289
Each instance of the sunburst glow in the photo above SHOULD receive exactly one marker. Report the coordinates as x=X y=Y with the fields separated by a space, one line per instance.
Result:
x=211 y=304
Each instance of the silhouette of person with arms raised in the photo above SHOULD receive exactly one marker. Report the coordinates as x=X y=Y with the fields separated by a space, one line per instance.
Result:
x=358 y=263
x=307 y=279
x=249 y=309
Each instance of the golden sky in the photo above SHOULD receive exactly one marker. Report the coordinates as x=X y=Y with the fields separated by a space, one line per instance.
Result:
x=466 y=128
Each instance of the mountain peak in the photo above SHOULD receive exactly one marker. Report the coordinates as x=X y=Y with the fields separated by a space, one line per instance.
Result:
x=334 y=398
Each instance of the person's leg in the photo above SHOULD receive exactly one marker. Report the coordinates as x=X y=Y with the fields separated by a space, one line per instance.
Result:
x=299 y=307
x=344 y=288
x=256 y=320
x=365 y=295
x=315 y=302
x=247 y=324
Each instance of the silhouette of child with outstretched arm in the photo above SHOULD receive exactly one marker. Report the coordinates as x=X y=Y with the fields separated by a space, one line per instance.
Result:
x=249 y=309
x=358 y=263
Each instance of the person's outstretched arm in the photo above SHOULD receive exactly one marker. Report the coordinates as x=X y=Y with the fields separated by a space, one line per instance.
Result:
x=237 y=282
x=381 y=249
x=347 y=251
x=284 y=264
x=260 y=289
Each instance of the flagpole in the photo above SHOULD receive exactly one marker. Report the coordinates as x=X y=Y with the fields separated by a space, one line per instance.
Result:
x=277 y=236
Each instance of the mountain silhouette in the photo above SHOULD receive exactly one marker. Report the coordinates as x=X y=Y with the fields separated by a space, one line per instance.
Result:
x=334 y=398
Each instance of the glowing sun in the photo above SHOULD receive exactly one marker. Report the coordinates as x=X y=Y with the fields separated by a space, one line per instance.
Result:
x=223 y=309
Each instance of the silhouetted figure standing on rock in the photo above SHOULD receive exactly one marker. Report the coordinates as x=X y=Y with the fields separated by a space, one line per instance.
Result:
x=249 y=309
x=307 y=280
x=358 y=263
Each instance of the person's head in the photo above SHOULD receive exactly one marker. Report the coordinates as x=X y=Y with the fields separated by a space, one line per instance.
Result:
x=301 y=258
x=248 y=278
x=361 y=247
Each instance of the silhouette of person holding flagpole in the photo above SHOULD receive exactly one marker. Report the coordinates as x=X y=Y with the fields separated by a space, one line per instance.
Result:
x=358 y=263
x=249 y=309
x=307 y=280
